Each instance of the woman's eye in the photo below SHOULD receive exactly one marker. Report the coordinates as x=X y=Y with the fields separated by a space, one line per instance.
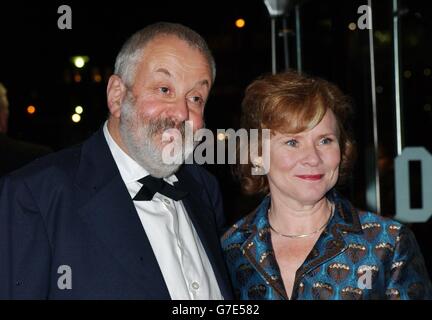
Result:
x=292 y=143
x=326 y=141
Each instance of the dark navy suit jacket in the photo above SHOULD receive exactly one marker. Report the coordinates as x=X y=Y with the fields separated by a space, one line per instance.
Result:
x=72 y=209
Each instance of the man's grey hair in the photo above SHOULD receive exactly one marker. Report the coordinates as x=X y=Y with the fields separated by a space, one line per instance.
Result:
x=132 y=51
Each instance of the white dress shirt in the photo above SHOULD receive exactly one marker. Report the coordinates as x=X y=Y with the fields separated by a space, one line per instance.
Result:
x=182 y=259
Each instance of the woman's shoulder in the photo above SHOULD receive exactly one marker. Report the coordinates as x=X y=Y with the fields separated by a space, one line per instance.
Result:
x=378 y=228
x=249 y=224
x=240 y=230
x=368 y=217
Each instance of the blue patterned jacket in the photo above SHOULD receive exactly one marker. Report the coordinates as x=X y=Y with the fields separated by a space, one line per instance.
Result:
x=359 y=255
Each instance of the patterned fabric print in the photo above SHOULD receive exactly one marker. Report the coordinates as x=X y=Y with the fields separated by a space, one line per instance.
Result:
x=360 y=255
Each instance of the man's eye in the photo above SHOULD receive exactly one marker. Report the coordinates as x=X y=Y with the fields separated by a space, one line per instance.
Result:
x=164 y=90
x=292 y=143
x=197 y=100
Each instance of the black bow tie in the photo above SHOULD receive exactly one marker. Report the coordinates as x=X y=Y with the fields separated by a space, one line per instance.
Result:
x=151 y=185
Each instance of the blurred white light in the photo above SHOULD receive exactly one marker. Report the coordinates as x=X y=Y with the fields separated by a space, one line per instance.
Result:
x=76 y=118
x=80 y=61
x=221 y=136
x=79 y=109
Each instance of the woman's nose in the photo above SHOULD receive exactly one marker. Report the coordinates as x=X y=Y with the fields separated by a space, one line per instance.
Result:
x=311 y=156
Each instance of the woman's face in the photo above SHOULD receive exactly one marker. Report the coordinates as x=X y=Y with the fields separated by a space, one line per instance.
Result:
x=304 y=166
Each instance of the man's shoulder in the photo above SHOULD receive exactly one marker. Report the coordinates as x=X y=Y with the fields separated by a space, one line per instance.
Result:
x=64 y=161
x=20 y=146
x=16 y=153
x=44 y=178
x=35 y=148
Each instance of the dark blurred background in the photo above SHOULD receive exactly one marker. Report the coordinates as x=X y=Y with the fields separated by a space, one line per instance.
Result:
x=322 y=37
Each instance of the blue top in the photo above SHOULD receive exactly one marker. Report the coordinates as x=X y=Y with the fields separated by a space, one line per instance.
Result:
x=359 y=255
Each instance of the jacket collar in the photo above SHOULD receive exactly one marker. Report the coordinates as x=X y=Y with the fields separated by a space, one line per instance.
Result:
x=330 y=243
x=105 y=204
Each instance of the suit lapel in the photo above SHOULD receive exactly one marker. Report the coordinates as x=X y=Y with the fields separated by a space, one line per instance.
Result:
x=106 y=206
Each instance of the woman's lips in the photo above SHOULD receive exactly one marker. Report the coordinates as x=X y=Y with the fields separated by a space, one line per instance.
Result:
x=311 y=177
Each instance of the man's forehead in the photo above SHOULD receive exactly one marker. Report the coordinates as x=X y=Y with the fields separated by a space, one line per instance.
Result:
x=164 y=72
x=167 y=46
x=163 y=39
x=171 y=57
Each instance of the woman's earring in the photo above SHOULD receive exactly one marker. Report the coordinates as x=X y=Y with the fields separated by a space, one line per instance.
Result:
x=258 y=167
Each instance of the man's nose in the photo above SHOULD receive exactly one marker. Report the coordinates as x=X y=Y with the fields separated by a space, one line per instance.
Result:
x=179 y=110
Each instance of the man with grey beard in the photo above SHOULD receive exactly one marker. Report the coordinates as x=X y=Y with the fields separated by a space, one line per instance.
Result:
x=111 y=218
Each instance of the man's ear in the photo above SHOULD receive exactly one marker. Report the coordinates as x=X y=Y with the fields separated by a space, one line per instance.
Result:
x=116 y=91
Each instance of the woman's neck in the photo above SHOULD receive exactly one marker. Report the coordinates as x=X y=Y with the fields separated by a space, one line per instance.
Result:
x=288 y=216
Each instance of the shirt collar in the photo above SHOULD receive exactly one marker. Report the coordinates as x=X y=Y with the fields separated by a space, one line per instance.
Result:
x=130 y=170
